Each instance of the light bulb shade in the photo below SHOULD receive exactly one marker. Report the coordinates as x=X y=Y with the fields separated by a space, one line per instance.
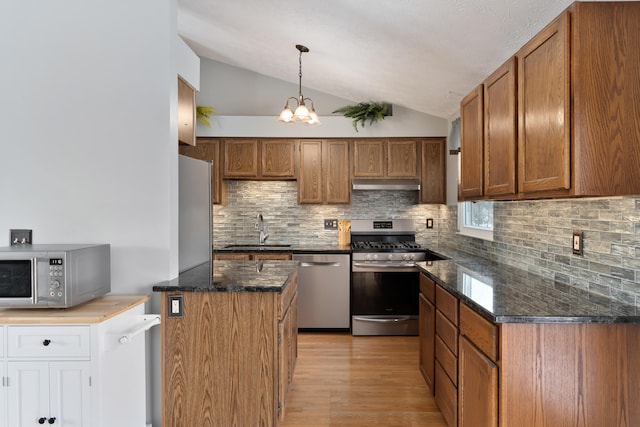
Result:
x=286 y=115
x=301 y=114
x=313 y=118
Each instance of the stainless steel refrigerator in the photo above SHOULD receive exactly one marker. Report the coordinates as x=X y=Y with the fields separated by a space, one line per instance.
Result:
x=195 y=218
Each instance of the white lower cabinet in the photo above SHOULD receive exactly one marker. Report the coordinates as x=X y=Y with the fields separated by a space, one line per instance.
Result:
x=3 y=396
x=55 y=393
x=76 y=374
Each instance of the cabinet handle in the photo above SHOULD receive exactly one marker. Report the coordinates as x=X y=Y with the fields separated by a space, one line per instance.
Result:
x=41 y=420
x=46 y=343
x=52 y=420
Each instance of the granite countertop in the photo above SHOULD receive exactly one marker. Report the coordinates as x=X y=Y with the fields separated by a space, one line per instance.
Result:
x=505 y=294
x=232 y=276
x=275 y=247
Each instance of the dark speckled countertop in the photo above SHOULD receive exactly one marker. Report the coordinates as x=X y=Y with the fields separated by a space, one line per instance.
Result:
x=505 y=294
x=232 y=276
x=306 y=248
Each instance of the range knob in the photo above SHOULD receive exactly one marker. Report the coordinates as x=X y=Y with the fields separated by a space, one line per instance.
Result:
x=390 y=256
x=412 y=257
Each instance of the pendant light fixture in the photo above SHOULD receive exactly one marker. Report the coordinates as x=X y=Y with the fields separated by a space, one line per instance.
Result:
x=301 y=113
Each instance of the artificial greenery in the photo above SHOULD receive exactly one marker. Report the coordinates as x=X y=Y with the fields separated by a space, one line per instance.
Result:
x=202 y=114
x=365 y=111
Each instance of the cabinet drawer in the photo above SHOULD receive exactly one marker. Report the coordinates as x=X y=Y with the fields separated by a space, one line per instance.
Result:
x=287 y=294
x=447 y=331
x=447 y=304
x=448 y=360
x=47 y=342
x=446 y=397
x=480 y=331
x=428 y=288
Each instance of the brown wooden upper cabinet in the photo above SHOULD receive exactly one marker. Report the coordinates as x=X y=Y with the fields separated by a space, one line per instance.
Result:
x=259 y=159
x=471 y=144
x=209 y=149
x=186 y=113
x=379 y=158
x=500 y=131
x=323 y=175
x=433 y=181
x=577 y=110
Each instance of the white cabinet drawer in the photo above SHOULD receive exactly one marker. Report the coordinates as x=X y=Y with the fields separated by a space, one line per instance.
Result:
x=48 y=341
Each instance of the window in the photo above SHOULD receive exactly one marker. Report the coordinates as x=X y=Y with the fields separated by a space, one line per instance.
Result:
x=475 y=219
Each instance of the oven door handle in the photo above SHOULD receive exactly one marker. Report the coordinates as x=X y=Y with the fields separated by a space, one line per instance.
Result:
x=384 y=320
x=372 y=265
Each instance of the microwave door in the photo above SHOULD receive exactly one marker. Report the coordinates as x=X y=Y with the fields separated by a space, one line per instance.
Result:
x=17 y=281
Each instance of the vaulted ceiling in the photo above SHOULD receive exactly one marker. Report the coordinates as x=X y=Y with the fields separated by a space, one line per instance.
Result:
x=419 y=54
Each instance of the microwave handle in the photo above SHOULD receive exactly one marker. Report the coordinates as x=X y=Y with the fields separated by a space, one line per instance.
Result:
x=41 y=267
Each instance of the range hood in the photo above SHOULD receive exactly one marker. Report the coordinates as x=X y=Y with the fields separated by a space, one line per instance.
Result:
x=386 y=184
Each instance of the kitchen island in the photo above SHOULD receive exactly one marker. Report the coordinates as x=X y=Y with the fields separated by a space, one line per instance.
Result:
x=504 y=347
x=229 y=343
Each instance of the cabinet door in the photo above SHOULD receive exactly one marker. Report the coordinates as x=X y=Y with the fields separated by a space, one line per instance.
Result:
x=477 y=388
x=28 y=391
x=368 y=158
x=471 y=144
x=433 y=171
x=337 y=185
x=241 y=158
x=186 y=113
x=544 y=137
x=427 y=331
x=278 y=158
x=310 y=175
x=500 y=136
x=3 y=390
x=284 y=342
x=402 y=159
x=70 y=394
x=209 y=149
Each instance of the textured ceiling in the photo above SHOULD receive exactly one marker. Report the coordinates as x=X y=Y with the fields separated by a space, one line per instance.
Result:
x=419 y=54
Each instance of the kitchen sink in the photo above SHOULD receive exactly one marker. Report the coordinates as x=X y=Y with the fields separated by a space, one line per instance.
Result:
x=256 y=247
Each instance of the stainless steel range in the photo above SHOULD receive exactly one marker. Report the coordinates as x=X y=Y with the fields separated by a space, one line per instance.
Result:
x=384 y=278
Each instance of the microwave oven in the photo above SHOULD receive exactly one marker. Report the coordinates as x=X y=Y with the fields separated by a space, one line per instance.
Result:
x=53 y=276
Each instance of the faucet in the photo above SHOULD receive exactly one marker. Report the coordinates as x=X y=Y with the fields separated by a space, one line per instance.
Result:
x=264 y=234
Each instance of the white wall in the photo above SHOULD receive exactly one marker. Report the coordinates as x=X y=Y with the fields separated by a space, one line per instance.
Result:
x=247 y=104
x=88 y=146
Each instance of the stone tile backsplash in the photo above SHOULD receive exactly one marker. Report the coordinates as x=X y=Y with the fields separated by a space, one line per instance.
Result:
x=531 y=235
x=291 y=223
x=536 y=236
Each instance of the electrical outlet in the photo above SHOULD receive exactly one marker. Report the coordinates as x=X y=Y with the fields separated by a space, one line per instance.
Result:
x=577 y=243
x=429 y=222
x=175 y=306
x=330 y=224
x=20 y=237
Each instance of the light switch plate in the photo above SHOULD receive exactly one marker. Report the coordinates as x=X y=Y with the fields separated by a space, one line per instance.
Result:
x=576 y=243
x=20 y=236
x=174 y=306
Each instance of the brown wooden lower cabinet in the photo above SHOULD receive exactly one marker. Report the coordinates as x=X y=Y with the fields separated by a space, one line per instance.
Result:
x=477 y=388
x=535 y=374
x=229 y=360
x=248 y=256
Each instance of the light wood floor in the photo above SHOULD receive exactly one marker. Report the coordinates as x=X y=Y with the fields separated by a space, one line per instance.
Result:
x=345 y=381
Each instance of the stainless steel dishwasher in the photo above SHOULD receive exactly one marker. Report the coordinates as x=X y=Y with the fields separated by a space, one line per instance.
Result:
x=323 y=291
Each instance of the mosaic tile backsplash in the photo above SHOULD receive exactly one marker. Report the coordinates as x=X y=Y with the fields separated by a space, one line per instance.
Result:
x=531 y=235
